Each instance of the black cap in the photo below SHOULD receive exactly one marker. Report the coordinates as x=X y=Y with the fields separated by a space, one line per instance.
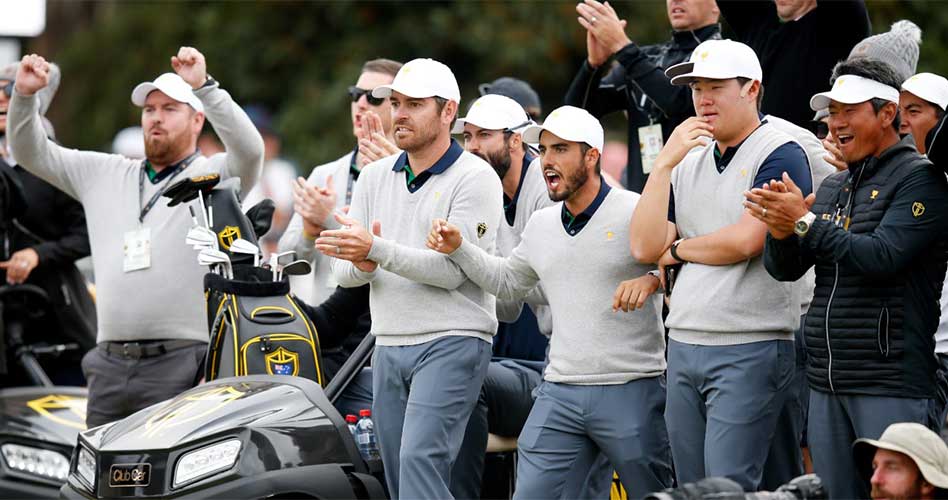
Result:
x=515 y=89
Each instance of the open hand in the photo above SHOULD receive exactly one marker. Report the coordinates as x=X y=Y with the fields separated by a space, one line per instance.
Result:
x=444 y=237
x=314 y=204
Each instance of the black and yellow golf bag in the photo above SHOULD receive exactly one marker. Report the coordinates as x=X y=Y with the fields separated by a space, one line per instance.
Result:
x=257 y=328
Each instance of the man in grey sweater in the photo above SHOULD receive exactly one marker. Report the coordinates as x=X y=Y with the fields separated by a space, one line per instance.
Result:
x=603 y=389
x=730 y=354
x=433 y=325
x=152 y=333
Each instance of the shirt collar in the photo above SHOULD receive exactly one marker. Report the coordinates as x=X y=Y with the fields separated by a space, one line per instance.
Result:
x=693 y=38
x=600 y=196
x=447 y=159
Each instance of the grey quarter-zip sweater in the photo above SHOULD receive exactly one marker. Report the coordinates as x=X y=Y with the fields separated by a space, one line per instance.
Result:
x=166 y=300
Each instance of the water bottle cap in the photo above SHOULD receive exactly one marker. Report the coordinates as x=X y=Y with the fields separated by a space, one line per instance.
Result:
x=351 y=418
x=365 y=413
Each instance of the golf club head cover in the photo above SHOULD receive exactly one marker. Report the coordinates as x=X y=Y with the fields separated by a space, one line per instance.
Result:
x=187 y=189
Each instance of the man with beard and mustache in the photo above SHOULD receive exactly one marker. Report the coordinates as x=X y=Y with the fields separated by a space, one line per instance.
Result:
x=603 y=389
x=909 y=461
x=731 y=325
x=433 y=326
x=492 y=130
x=330 y=185
x=152 y=332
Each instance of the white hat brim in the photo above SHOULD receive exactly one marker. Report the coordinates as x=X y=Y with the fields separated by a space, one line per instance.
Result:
x=142 y=90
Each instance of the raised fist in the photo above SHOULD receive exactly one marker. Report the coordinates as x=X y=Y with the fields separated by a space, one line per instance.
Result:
x=189 y=64
x=32 y=75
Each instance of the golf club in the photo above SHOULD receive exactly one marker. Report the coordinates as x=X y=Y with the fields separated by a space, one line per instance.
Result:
x=243 y=246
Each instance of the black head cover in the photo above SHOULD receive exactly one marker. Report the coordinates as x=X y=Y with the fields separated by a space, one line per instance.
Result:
x=187 y=189
x=261 y=215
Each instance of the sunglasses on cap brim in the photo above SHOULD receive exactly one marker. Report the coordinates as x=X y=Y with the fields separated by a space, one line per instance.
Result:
x=355 y=93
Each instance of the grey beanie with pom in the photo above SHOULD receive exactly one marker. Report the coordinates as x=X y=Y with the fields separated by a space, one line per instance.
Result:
x=898 y=47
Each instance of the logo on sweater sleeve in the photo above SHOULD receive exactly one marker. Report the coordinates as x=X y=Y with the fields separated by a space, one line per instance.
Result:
x=918 y=209
x=481 y=229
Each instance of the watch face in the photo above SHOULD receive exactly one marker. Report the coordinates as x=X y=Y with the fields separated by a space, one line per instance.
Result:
x=801 y=226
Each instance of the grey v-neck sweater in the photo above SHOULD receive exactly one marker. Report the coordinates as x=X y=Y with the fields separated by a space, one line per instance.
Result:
x=591 y=344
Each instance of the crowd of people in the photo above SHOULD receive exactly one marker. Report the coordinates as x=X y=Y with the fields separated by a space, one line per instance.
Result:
x=758 y=297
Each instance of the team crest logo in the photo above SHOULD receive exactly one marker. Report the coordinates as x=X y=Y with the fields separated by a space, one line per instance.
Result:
x=228 y=235
x=191 y=407
x=65 y=410
x=283 y=362
x=918 y=209
x=610 y=235
x=481 y=229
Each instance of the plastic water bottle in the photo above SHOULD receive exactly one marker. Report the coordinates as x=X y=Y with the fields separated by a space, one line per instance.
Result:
x=351 y=420
x=365 y=437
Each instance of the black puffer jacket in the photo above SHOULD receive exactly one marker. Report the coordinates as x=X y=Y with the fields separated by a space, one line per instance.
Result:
x=638 y=86
x=879 y=247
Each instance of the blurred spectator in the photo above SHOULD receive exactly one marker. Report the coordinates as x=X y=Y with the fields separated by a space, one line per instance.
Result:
x=897 y=47
x=615 y=157
x=209 y=144
x=798 y=42
x=43 y=245
x=276 y=180
x=637 y=83
x=907 y=461
x=518 y=90
x=129 y=142
x=922 y=104
x=876 y=234
x=330 y=186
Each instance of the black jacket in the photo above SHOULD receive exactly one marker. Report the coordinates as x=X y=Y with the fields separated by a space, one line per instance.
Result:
x=54 y=225
x=638 y=86
x=341 y=321
x=797 y=56
x=870 y=328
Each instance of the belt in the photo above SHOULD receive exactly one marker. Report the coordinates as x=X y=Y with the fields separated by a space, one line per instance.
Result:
x=140 y=350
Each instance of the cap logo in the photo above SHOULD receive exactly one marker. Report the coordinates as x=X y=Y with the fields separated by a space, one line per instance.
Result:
x=839 y=82
x=704 y=55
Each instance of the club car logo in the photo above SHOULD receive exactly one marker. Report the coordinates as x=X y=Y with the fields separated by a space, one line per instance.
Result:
x=65 y=410
x=283 y=362
x=228 y=235
x=129 y=475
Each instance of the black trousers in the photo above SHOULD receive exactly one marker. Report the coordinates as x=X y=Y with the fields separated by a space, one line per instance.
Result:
x=120 y=386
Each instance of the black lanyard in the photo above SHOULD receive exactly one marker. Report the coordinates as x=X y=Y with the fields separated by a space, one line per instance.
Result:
x=183 y=164
x=352 y=174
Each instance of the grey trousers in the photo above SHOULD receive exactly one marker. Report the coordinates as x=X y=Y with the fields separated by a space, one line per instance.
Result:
x=572 y=423
x=423 y=397
x=835 y=421
x=120 y=386
x=785 y=460
x=502 y=408
x=723 y=407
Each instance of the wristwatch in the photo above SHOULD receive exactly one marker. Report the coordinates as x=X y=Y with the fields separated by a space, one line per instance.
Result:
x=209 y=82
x=674 y=250
x=802 y=226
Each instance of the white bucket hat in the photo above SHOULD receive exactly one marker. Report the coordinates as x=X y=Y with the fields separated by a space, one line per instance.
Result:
x=918 y=442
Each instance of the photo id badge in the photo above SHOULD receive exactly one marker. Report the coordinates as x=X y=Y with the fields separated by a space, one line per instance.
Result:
x=650 y=144
x=137 y=250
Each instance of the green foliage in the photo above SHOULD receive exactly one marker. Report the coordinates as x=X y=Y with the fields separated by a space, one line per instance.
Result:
x=297 y=58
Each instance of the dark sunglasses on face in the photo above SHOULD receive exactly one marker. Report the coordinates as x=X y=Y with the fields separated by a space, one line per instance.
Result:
x=819 y=128
x=355 y=93
x=8 y=89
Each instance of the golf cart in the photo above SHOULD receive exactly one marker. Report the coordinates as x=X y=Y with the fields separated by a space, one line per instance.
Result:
x=256 y=435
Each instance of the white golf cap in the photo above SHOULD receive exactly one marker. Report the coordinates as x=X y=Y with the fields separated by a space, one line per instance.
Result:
x=852 y=89
x=929 y=86
x=494 y=112
x=420 y=78
x=717 y=60
x=171 y=85
x=568 y=123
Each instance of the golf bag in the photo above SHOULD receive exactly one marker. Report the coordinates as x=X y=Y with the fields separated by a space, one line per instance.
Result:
x=258 y=329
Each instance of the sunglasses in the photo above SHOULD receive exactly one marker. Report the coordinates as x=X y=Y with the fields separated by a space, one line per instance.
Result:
x=819 y=128
x=8 y=89
x=355 y=93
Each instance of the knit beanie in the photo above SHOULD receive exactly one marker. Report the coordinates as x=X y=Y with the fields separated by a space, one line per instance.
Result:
x=898 y=47
x=47 y=93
